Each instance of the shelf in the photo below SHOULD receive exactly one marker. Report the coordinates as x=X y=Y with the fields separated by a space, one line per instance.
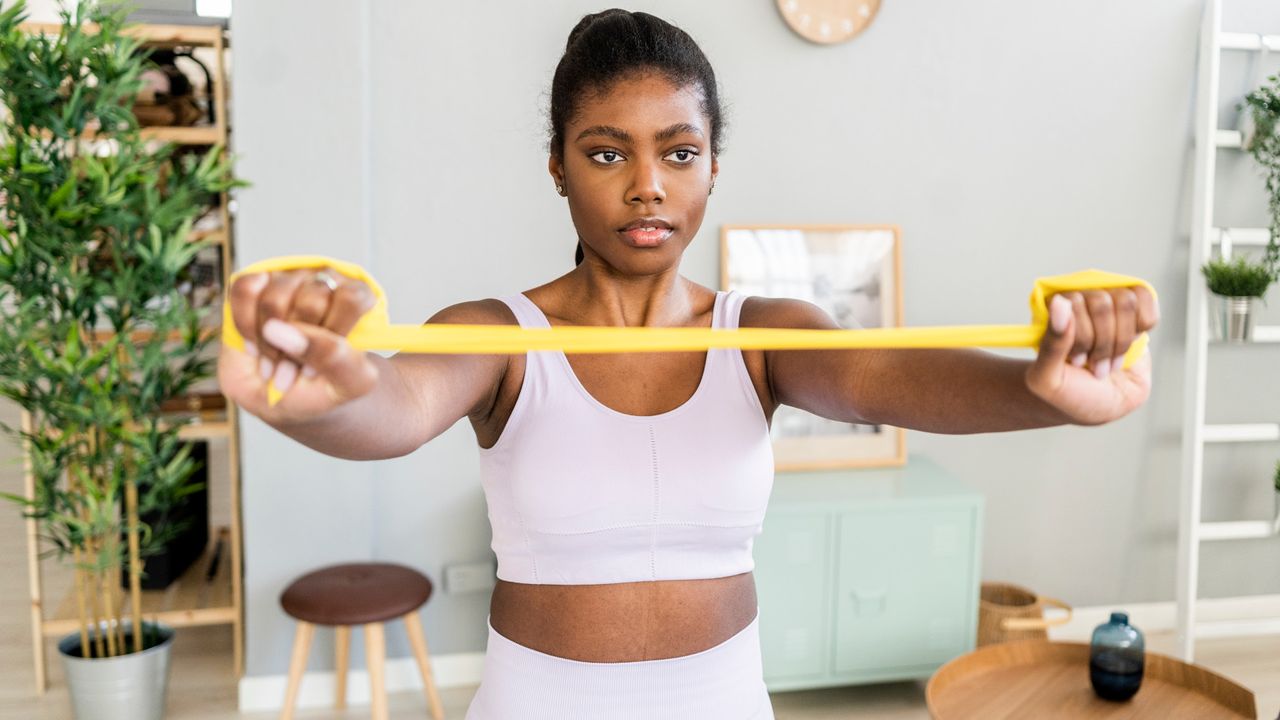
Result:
x=1266 y=334
x=215 y=237
x=1242 y=237
x=204 y=425
x=200 y=135
x=206 y=430
x=1262 y=335
x=1248 y=41
x=1237 y=530
x=139 y=336
x=1233 y=139
x=196 y=135
x=1256 y=432
x=190 y=600
x=153 y=35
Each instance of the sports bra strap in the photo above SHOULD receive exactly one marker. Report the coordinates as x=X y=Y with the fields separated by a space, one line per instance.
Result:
x=527 y=314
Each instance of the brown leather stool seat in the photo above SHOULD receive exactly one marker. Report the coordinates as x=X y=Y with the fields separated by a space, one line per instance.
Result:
x=367 y=594
x=356 y=593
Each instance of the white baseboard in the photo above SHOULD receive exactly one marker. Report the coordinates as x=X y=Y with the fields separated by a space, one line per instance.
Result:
x=1162 y=616
x=266 y=692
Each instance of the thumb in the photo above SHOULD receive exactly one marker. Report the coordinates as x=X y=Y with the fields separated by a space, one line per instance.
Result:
x=1051 y=363
x=349 y=372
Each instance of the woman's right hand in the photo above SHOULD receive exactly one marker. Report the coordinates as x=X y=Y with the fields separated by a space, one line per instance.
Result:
x=294 y=326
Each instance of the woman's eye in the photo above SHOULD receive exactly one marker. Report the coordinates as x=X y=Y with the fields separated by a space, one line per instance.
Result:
x=684 y=157
x=608 y=157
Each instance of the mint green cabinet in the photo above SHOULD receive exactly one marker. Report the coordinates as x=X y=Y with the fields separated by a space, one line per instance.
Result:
x=797 y=557
x=867 y=575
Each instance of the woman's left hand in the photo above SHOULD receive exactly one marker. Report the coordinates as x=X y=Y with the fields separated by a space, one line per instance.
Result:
x=1079 y=369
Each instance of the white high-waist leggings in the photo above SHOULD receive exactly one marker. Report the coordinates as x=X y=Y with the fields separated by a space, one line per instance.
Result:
x=724 y=682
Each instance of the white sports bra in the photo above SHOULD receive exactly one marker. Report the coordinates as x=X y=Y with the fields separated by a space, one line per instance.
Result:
x=579 y=493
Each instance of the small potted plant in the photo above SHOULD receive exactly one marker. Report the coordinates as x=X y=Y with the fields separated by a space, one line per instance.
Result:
x=1236 y=284
x=97 y=335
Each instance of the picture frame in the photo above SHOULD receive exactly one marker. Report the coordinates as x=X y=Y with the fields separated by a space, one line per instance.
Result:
x=854 y=273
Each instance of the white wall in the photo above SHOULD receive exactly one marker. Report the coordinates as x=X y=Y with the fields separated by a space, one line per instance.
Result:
x=42 y=10
x=1009 y=139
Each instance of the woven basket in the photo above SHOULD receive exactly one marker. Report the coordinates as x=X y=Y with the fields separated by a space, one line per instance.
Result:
x=1009 y=612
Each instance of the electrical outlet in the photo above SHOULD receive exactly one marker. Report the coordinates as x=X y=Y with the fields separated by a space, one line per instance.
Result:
x=469 y=577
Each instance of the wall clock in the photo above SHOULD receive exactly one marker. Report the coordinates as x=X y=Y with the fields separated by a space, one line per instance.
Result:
x=828 y=21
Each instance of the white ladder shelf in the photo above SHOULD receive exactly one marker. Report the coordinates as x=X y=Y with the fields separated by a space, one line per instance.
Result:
x=1205 y=236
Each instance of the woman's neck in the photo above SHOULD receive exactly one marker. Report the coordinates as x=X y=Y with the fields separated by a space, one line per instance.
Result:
x=595 y=294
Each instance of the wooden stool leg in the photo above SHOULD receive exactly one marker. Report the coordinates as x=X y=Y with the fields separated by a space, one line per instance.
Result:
x=342 y=651
x=418 y=639
x=375 y=650
x=297 y=665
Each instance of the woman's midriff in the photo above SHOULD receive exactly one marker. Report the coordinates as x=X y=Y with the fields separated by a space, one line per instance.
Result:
x=624 y=622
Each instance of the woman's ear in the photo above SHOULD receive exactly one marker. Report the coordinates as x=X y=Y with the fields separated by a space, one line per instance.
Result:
x=556 y=168
x=715 y=170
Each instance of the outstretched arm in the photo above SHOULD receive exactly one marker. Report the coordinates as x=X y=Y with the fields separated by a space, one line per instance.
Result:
x=339 y=400
x=1075 y=377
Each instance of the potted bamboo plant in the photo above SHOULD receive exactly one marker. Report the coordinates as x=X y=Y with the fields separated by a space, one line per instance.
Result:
x=94 y=240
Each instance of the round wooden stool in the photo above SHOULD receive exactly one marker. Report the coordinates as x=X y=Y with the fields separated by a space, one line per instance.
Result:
x=367 y=594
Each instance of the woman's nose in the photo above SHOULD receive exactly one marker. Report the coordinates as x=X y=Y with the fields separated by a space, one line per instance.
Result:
x=646 y=184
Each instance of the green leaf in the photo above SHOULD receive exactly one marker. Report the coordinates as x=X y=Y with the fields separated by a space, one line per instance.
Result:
x=59 y=197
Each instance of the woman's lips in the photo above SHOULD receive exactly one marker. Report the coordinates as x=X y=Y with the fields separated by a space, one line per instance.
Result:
x=647 y=236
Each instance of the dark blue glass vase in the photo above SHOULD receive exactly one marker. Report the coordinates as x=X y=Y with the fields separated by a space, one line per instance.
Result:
x=1116 y=659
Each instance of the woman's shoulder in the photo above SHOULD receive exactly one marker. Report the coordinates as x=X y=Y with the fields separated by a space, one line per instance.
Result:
x=488 y=311
x=759 y=311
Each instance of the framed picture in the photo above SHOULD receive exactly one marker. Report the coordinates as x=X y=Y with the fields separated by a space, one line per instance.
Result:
x=854 y=272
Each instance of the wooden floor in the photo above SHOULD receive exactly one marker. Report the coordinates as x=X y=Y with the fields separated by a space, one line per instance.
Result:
x=203 y=686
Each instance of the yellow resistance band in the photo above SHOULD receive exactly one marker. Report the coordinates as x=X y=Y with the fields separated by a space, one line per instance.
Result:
x=374 y=330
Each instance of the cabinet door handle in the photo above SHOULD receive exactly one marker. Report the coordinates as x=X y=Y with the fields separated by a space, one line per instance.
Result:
x=868 y=602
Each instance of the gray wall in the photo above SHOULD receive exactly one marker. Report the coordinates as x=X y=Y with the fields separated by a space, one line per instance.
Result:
x=1009 y=140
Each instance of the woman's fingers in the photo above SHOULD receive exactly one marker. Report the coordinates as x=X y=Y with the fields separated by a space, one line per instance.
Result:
x=244 y=308
x=1102 y=318
x=1083 y=329
x=1148 y=309
x=1107 y=323
x=1125 y=302
x=289 y=303
x=1047 y=372
x=311 y=303
x=351 y=300
x=275 y=302
x=348 y=372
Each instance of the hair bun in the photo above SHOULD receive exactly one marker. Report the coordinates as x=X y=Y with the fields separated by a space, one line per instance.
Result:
x=588 y=20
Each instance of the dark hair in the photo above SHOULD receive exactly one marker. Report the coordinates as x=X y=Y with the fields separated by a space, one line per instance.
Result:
x=606 y=45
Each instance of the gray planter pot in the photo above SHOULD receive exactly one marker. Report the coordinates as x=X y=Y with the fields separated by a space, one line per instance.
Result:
x=1232 y=318
x=128 y=687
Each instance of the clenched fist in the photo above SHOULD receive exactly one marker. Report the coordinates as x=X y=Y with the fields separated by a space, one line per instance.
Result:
x=294 y=325
x=1079 y=368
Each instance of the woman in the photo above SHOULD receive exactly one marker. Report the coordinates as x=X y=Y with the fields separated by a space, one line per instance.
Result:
x=625 y=490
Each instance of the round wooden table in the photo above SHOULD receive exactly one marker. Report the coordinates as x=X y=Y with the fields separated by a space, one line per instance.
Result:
x=1042 y=679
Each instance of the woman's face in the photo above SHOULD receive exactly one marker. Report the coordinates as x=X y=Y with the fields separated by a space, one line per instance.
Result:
x=637 y=169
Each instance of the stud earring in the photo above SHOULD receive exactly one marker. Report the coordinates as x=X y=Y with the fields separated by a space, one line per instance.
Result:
x=560 y=189
x=712 y=188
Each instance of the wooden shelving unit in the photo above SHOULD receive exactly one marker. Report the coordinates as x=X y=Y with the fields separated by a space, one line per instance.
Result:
x=204 y=595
